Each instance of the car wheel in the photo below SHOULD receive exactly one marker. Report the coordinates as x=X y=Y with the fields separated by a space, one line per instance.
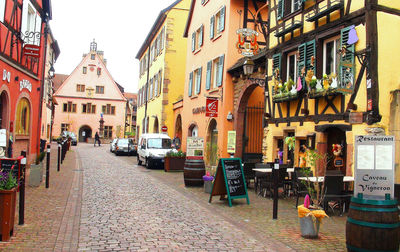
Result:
x=147 y=164
x=139 y=161
x=116 y=154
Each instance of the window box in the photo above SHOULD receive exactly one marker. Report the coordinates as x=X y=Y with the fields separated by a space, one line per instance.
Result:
x=288 y=28
x=283 y=97
x=314 y=15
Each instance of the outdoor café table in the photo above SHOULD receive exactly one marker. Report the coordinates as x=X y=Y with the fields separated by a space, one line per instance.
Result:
x=321 y=179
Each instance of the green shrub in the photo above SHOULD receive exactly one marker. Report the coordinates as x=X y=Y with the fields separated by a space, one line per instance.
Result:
x=175 y=154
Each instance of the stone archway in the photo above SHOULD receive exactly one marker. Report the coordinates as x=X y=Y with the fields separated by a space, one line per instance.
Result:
x=178 y=126
x=193 y=130
x=212 y=143
x=4 y=110
x=85 y=132
x=240 y=114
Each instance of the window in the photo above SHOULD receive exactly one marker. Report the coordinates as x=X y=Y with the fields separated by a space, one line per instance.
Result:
x=80 y=88
x=93 y=56
x=214 y=75
x=155 y=85
x=159 y=82
x=64 y=127
x=190 y=84
x=217 y=23
x=108 y=109
x=197 y=38
x=203 y=2
x=23 y=117
x=88 y=108
x=306 y=54
x=108 y=131
x=99 y=71
x=2 y=9
x=286 y=7
x=31 y=22
x=151 y=89
x=197 y=80
x=331 y=55
x=99 y=89
x=84 y=70
x=291 y=66
x=69 y=107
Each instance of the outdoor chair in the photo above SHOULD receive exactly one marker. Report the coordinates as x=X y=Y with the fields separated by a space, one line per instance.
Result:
x=249 y=174
x=263 y=180
x=333 y=194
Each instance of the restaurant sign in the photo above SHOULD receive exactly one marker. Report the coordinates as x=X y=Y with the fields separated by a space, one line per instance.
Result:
x=195 y=147
x=374 y=166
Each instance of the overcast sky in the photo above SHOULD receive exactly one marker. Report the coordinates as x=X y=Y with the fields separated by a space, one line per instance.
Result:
x=119 y=28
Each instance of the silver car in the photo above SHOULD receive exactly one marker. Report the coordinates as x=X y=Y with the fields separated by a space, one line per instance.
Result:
x=124 y=146
x=112 y=144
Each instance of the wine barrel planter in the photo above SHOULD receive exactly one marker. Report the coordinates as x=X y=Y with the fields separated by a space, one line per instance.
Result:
x=193 y=172
x=372 y=225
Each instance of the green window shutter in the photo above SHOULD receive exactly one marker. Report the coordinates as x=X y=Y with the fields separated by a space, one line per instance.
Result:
x=208 y=79
x=222 y=20
x=202 y=1
x=190 y=83
x=276 y=63
x=347 y=64
x=212 y=21
x=302 y=58
x=198 y=82
x=310 y=52
x=193 y=41
x=281 y=8
x=220 y=70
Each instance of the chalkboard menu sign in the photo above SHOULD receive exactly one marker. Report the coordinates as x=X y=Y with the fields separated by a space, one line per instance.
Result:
x=6 y=166
x=229 y=180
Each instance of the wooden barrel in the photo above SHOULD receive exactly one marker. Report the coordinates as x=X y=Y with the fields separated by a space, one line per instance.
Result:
x=373 y=225
x=193 y=172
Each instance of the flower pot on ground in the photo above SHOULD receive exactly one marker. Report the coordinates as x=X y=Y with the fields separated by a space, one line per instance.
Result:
x=310 y=221
x=36 y=171
x=8 y=191
x=174 y=161
x=208 y=182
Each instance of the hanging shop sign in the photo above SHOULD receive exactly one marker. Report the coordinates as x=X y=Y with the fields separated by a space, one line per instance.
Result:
x=31 y=51
x=6 y=75
x=211 y=107
x=374 y=166
x=247 y=42
x=25 y=84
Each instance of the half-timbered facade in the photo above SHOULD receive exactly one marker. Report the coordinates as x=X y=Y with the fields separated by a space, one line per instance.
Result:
x=330 y=75
x=23 y=35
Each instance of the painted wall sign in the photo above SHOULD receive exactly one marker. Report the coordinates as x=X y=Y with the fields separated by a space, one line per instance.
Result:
x=199 y=110
x=6 y=75
x=25 y=84
x=355 y=117
x=211 y=107
x=31 y=51
x=195 y=147
x=231 y=145
x=374 y=166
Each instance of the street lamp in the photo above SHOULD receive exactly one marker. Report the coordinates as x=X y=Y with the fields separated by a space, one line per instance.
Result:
x=248 y=66
x=51 y=72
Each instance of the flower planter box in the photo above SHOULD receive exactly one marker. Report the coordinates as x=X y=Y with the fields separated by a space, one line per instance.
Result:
x=7 y=213
x=313 y=94
x=309 y=228
x=284 y=98
x=174 y=164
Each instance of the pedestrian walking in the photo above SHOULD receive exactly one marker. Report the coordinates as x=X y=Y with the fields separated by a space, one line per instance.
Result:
x=96 y=139
x=176 y=142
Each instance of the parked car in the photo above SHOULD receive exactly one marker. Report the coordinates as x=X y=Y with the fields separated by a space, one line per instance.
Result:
x=71 y=135
x=112 y=144
x=152 y=149
x=134 y=146
x=124 y=146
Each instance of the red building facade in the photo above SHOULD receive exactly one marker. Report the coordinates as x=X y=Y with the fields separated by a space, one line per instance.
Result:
x=23 y=33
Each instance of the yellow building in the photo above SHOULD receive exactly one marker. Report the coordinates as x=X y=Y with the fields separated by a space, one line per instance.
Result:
x=162 y=70
x=332 y=74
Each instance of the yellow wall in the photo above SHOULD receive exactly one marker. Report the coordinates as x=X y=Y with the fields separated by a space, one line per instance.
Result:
x=170 y=63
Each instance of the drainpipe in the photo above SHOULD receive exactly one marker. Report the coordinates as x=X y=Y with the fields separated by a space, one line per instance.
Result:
x=46 y=30
x=147 y=83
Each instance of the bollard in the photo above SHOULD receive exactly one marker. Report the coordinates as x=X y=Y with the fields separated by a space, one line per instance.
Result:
x=21 y=215
x=58 y=157
x=48 y=167
x=275 y=175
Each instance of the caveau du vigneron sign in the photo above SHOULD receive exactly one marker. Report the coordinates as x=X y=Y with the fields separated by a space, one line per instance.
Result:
x=374 y=166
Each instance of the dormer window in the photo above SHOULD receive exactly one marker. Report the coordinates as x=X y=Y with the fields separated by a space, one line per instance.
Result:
x=92 y=56
x=31 y=23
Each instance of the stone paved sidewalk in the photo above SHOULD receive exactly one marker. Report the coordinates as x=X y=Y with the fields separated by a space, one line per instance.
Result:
x=50 y=214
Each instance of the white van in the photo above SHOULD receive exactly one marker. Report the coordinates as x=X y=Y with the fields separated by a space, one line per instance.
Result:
x=152 y=149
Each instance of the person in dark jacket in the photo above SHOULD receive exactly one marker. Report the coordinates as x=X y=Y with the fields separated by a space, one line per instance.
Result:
x=96 y=139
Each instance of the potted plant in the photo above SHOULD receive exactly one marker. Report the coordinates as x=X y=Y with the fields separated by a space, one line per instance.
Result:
x=174 y=161
x=208 y=182
x=8 y=192
x=36 y=170
x=310 y=219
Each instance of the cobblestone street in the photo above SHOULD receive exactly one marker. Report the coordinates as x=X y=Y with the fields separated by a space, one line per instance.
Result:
x=100 y=202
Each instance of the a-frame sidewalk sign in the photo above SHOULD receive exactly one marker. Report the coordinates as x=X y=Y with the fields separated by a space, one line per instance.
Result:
x=229 y=180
